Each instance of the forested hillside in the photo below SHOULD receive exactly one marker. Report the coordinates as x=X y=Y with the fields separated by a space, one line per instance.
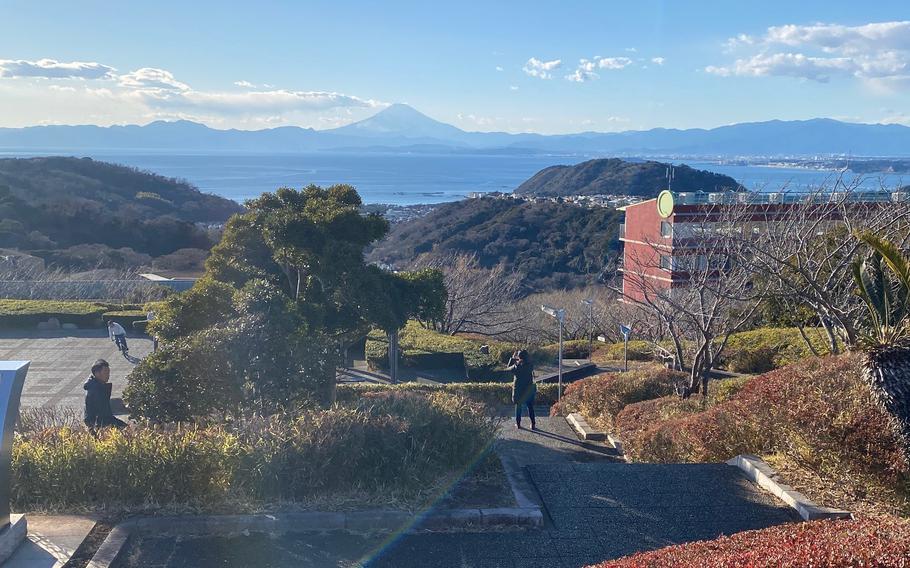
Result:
x=551 y=244
x=48 y=204
x=617 y=177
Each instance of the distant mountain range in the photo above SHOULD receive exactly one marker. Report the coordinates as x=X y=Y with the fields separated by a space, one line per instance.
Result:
x=617 y=177
x=402 y=128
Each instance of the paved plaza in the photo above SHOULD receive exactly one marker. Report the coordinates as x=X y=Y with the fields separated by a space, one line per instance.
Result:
x=62 y=360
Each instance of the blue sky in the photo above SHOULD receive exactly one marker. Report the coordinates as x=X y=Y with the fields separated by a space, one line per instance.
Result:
x=547 y=67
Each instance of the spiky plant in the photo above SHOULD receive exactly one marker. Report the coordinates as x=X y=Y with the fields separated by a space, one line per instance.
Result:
x=883 y=282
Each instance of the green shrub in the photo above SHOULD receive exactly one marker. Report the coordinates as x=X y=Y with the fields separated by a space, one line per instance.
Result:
x=64 y=467
x=492 y=394
x=764 y=349
x=392 y=443
x=425 y=348
x=258 y=358
x=754 y=351
x=599 y=399
x=28 y=313
x=638 y=351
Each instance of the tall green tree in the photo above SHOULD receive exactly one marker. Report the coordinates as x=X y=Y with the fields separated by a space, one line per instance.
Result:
x=285 y=289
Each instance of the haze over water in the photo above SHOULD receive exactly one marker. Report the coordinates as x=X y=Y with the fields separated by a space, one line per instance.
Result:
x=406 y=179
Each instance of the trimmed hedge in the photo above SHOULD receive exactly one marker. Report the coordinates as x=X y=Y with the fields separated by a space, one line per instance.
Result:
x=754 y=351
x=764 y=349
x=493 y=394
x=29 y=313
x=600 y=398
x=819 y=413
x=428 y=349
x=20 y=314
x=385 y=445
x=126 y=318
x=881 y=541
x=638 y=351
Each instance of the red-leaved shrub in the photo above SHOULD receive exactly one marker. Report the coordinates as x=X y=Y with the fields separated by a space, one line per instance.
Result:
x=818 y=412
x=600 y=398
x=883 y=541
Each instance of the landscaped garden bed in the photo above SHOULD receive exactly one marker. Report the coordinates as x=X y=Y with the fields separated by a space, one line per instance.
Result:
x=483 y=359
x=392 y=449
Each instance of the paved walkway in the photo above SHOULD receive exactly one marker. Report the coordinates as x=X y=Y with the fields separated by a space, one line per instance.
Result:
x=596 y=508
x=62 y=360
x=51 y=541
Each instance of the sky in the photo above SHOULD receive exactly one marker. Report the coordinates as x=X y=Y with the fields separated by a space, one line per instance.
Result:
x=547 y=67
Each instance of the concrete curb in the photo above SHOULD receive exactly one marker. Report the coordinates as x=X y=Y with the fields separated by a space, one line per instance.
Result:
x=355 y=521
x=584 y=430
x=765 y=477
x=617 y=445
x=109 y=551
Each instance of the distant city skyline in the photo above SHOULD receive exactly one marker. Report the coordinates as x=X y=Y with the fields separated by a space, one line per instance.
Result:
x=547 y=67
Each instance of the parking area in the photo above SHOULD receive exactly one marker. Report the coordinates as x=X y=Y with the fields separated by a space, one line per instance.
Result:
x=62 y=360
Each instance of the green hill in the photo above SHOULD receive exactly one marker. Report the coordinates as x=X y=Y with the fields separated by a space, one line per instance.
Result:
x=553 y=245
x=54 y=203
x=618 y=177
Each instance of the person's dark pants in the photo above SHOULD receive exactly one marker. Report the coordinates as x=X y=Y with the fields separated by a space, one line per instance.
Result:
x=120 y=340
x=529 y=402
x=101 y=423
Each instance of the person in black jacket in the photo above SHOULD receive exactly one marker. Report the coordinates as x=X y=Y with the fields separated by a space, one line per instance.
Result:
x=523 y=387
x=98 y=412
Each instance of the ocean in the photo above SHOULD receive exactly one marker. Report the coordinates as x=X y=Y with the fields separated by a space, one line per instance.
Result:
x=407 y=179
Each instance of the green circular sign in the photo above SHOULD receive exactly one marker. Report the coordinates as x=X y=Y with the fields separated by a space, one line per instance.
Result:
x=665 y=204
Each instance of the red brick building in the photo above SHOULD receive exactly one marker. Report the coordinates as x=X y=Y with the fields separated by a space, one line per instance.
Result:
x=661 y=236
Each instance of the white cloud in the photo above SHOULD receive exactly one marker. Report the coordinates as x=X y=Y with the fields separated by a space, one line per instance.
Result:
x=584 y=71
x=658 y=60
x=257 y=102
x=586 y=67
x=53 y=69
x=95 y=92
x=499 y=67
x=835 y=38
x=630 y=50
x=613 y=62
x=877 y=53
x=899 y=118
x=152 y=78
x=513 y=88
x=541 y=69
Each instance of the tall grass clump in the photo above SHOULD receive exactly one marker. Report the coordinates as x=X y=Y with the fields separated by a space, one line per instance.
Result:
x=387 y=443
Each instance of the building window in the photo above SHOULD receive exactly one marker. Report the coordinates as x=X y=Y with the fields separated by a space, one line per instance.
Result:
x=666 y=229
x=666 y=262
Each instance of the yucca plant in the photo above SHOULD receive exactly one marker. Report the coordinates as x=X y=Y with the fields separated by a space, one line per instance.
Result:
x=883 y=282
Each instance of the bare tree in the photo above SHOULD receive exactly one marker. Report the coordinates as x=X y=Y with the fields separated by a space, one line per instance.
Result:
x=804 y=249
x=480 y=300
x=582 y=320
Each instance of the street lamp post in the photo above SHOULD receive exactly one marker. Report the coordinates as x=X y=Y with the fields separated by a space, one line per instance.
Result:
x=560 y=315
x=590 y=303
